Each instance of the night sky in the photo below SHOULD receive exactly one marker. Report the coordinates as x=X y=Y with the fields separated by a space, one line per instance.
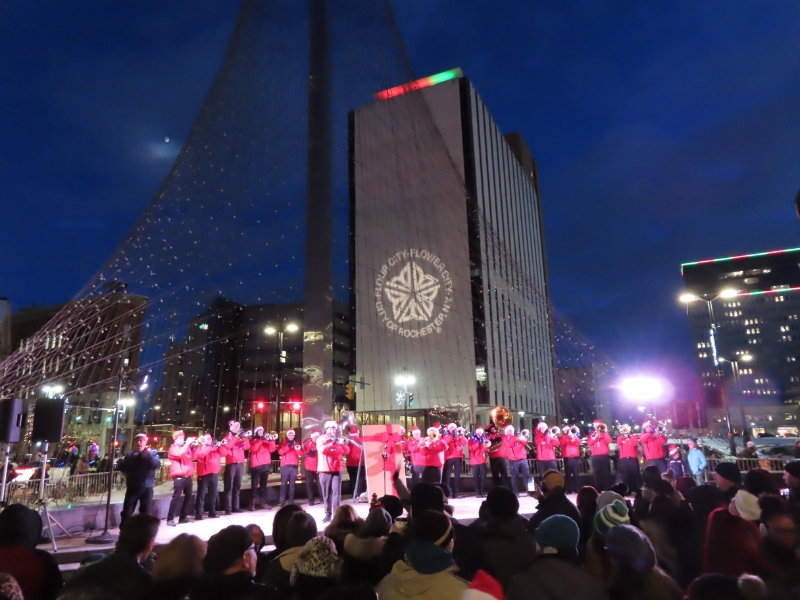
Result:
x=664 y=133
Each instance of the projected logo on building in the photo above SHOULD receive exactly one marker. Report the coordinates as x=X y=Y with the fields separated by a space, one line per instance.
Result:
x=413 y=293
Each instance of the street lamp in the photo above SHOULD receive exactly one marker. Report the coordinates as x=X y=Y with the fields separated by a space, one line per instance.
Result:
x=735 y=373
x=405 y=378
x=270 y=330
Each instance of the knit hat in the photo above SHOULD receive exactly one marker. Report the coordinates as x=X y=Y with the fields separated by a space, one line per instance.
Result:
x=729 y=471
x=647 y=424
x=558 y=534
x=392 y=505
x=329 y=424
x=693 y=440
x=552 y=479
x=793 y=468
x=256 y=429
x=314 y=434
x=542 y=426
x=177 y=433
x=757 y=482
x=226 y=547
x=432 y=430
x=628 y=546
x=414 y=428
x=597 y=422
x=483 y=587
x=611 y=516
x=607 y=498
x=318 y=558
x=674 y=451
x=433 y=527
x=502 y=503
x=140 y=435
x=378 y=523
x=747 y=505
x=477 y=429
x=451 y=426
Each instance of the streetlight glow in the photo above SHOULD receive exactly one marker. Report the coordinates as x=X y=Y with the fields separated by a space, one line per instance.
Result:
x=270 y=330
x=728 y=293
x=746 y=357
x=642 y=388
x=292 y=327
x=405 y=379
x=688 y=298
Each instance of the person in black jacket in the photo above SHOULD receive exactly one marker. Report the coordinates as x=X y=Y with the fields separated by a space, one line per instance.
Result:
x=122 y=573
x=552 y=501
x=35 y=570
x=229 y=567
x=139 y=467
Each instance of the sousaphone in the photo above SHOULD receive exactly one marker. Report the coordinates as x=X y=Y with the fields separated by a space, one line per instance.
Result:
x=501 y=417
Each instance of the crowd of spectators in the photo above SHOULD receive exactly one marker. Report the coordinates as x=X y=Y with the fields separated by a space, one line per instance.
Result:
x=735 y=539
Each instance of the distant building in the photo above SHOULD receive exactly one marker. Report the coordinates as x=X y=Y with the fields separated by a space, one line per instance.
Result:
x=6 y=347
x=748 y=306
x=450 y=276
x=233 y=364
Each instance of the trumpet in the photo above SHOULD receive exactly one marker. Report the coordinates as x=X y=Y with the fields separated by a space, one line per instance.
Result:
x=575 y=431
x=552 y=432
x=602 y=428
x=271 y=436
x=460 y=432
x=625 y=429
x=661 y=429
x=244 y=434
x=433 y=435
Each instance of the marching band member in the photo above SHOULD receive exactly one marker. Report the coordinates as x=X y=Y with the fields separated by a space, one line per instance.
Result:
x=310 y=464
x=571 y=453
x=181 y=469
x=455 y=441
x=290 y=452
x=261 y=450
x=546 y=444
x=497 y=459
x=517 y=453
x=477 y=459
x=628 y=464
x=653 y=443
x=209 y=464
x=599 y=441
x=330 y=451
x=433 y=448
x=417 y=457
x=352 y=462
x=236 y=445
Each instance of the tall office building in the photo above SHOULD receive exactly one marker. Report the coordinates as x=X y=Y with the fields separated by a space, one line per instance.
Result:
x=745 y=328
x=450 y=280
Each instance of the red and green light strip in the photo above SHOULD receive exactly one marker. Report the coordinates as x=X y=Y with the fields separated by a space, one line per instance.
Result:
x=764 y=292
x=419 y=84
x=739 y=257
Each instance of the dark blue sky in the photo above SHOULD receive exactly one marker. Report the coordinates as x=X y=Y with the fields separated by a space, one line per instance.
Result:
x=664 y=132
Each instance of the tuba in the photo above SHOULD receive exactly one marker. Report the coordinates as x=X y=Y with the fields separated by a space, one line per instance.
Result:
x=501 y=417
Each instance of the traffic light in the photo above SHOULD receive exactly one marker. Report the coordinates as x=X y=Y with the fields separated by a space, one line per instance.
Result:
x=411 y=399
x=349 y=391
x=296 y=407
x=260 y=406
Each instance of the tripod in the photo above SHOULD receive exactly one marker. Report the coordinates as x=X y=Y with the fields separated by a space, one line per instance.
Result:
x=41 y=505
x=361 y=460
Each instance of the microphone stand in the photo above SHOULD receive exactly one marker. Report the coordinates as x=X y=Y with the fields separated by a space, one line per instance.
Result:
x=384 y=456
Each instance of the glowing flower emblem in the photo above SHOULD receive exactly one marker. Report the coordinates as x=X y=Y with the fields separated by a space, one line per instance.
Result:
x=412 y=294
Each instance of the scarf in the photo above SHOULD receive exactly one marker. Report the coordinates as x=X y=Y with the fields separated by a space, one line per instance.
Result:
x=428 y=558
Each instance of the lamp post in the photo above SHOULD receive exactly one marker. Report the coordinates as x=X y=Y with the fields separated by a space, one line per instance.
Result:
x=405 y=379
x=735 y=373
x=270 y=330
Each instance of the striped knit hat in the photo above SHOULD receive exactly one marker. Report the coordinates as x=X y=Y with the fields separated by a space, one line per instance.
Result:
x=612 y=515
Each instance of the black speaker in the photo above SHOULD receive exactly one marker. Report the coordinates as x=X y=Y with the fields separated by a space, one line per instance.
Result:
x=12 y=420
x=48 y=420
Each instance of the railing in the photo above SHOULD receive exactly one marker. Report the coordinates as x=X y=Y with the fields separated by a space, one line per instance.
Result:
x=774 y=465
x=71 y=489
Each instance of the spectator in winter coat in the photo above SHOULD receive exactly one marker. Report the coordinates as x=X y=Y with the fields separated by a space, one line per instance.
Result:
x=676 y=461
x=301 y=529
x=345 y=521
x=552 y=501
x=587 y=507
x=556 y=573
x=229 y=567
x=733 y=540
x=259 y=541
x=280 y=527
x=178 y=568
x=363 y=551
x=316 y=570
x=635 y=575
x=728 y=479
x=35 y=570
x=428 y=570
x=778 y=546
x=724 y=587
x=608 y=516
x=121 y=573
x=791 y=476
x=506 y=546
